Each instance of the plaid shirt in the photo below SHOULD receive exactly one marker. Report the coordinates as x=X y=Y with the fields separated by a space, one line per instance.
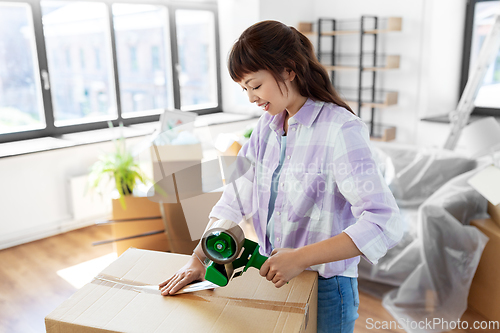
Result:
x=329 y=184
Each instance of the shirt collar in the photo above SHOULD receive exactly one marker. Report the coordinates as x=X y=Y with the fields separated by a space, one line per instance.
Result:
x=305 y=116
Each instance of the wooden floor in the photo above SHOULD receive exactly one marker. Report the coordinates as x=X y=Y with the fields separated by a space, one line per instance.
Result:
x=30 y=287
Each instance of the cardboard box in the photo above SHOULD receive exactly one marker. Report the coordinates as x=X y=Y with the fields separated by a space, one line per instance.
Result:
x=185 y=160
x=484 y=293
x=171 y=153
x=138 y=207
x=183 y=223
x=185 y=209
x=186 y=221
x=494 y=212
x=119 y=300
x=305 y=27
x=487 y=183
x=227 y=144
x=233 y=149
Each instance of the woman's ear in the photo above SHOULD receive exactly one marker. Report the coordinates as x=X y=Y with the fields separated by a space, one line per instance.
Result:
x=289 y=75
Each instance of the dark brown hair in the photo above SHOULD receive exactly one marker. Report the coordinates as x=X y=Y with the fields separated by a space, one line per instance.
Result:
x=276 y=47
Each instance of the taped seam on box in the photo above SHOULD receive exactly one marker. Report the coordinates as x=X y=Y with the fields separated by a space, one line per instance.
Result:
x=291 y=307
x=111 y=281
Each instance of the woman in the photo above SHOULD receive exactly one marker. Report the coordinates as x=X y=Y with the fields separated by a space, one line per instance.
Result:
x=314 y=192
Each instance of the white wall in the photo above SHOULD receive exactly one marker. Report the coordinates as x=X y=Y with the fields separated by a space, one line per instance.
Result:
x=430 y=46
x=35 y=199
x=442 y=42
x=234 y=17
x=237 y=15
x=289 y=12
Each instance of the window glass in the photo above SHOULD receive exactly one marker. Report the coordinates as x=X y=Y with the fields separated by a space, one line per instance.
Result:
x=197 y=63
x=82 y=85
x=21 y=106
x=143 y=55
x=484 y=17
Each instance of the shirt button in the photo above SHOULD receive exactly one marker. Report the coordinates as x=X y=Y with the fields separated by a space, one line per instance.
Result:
x=293 y=129
x=278 y=239
x=278 y=213
x=288 y=157
x=282 y=184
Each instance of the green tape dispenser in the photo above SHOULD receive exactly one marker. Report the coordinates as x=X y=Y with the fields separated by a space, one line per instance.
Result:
x=229 y=252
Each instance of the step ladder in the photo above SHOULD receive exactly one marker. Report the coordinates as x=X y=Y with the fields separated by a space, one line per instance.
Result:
x=487 y=55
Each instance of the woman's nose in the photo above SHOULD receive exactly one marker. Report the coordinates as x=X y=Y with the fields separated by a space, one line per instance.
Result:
x=251 y=97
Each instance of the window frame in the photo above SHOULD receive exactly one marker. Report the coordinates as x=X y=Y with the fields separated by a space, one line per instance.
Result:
x=468 y=30
x=51 y=130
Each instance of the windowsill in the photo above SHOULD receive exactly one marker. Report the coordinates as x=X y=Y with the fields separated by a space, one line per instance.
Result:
x=444 y=119
x=24 y=147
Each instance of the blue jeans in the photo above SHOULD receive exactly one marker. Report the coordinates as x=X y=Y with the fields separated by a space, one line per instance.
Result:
x=338 y=302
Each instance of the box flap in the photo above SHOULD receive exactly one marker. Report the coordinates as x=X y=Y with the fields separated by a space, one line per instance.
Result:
x=487 y=182
x=488 y=227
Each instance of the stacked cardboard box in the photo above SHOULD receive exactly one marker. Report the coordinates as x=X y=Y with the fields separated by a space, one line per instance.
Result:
x=137 y=208
x=484 y=293
x=494 y=212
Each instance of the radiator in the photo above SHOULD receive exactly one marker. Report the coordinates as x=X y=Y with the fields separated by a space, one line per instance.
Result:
x=88 y=204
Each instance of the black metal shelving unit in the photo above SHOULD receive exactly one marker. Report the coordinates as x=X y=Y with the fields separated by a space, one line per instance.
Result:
x=369 y=27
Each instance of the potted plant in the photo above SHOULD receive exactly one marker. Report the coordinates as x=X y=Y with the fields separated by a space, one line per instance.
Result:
x=142 y=215
x=119 y=166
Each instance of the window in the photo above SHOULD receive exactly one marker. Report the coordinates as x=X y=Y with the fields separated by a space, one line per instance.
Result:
x=479 y=21
x=142 y=28
x=77 y=93
x=196 y=48
x=21 y=105
x=96 y=61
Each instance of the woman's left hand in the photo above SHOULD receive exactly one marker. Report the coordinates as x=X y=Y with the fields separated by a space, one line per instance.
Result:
x=282 y=266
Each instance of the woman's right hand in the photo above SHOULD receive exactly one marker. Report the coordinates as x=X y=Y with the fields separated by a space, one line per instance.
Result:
x=192 y=271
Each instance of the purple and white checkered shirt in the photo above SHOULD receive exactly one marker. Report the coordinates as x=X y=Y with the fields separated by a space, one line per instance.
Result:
x=329 y=184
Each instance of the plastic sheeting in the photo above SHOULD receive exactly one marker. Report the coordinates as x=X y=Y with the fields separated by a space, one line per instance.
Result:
x=433 y=265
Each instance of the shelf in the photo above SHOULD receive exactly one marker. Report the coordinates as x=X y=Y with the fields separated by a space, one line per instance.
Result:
x=383 y=133
x=372 y=62
x=368 y=59
x=391 y=98
x=392 y=62
x=438 y=119
x=393 y=24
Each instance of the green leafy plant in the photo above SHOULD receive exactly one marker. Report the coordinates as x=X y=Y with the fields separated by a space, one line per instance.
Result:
x=119 y=166
x=248 y=133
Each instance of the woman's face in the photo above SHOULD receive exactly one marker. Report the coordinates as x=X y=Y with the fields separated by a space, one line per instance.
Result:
x=263 y=90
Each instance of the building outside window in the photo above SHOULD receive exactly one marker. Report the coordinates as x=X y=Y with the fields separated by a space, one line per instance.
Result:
x=155 y=58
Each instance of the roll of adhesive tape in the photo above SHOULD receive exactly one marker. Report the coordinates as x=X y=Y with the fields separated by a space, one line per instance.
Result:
x=230 y=228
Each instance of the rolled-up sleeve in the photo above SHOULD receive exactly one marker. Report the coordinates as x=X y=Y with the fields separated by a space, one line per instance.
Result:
x=378 y=225
x=237 y=200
